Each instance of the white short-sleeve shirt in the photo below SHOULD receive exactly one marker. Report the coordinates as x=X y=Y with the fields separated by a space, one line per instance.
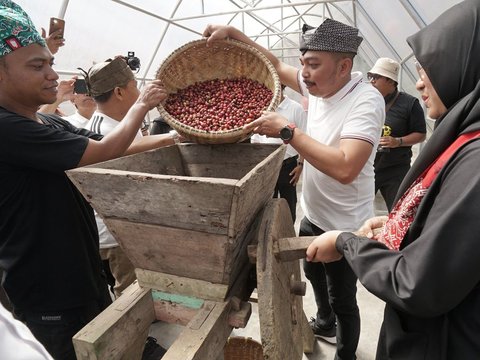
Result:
x=77 y=120
x=103 y=124
x=357 y=111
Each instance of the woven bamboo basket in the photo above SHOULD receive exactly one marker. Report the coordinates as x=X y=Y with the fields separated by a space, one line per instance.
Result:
x=240 y=348
x=223 y=59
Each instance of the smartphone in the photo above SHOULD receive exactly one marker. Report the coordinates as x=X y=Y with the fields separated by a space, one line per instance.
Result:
x=80 y=86
x=57 y=24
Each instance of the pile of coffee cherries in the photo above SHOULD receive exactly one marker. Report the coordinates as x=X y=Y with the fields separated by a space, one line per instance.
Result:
x=219 y=105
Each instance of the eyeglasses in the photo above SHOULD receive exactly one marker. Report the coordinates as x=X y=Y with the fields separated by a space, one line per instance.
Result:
x=418 y=66
x=375 y=77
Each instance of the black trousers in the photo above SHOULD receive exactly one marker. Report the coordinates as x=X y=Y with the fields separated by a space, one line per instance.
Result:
x=283 y=188
x=335 y=288
x=388 y=181
x=55 y=329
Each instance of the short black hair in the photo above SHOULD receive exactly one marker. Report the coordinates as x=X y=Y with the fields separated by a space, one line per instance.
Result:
x=103 y=98
x=343 y=55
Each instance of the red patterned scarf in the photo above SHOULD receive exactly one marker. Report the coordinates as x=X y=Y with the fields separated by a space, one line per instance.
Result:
x=404 y=211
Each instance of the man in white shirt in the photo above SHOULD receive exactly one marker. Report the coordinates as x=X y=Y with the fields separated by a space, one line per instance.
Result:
x=113 y=87
x=345 y=118
x=85 y=106
x=114 y=90
x=292 y=165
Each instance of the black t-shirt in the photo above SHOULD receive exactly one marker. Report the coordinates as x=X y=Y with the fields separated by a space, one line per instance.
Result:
x=404 y=117
x=48 y=234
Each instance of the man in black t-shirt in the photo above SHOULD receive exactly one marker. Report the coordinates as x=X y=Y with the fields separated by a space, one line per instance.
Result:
x=48 y=235
x=404 y=127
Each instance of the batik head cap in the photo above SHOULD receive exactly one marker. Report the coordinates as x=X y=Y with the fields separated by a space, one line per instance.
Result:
x=107 y=75
x=16 y=28
x=331 y=36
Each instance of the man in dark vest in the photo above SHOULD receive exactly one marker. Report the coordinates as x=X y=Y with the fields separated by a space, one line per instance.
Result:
x=404 y=127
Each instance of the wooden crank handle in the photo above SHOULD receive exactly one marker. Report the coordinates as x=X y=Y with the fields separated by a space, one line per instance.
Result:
x=294 y=248
x=239 y=313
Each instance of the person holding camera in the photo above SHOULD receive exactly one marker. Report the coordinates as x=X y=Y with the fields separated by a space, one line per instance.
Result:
x=75 y=91
x=54 y=40
x=405 y=122
x=65 y=92
x=85 y=107
x=48 y=235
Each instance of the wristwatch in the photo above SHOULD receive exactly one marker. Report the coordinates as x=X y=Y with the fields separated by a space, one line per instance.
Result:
x=175 y=136
x=286 y=134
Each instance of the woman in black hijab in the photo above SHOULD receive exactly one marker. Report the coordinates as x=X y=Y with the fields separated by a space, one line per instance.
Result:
x=425 y=263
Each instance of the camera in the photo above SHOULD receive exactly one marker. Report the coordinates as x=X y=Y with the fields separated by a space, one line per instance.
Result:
x=80 y=86
x=133 y=62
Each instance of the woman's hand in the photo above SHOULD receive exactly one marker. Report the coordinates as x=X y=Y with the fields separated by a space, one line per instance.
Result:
x=372 y=227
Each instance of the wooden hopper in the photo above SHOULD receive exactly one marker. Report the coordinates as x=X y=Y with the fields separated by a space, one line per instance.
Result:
x=182 y=213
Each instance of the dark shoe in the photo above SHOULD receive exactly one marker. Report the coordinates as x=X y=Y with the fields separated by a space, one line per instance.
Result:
x=327 y=334
x=152 y=350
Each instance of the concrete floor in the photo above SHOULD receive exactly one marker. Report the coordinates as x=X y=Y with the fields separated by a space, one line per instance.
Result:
x=371 y=312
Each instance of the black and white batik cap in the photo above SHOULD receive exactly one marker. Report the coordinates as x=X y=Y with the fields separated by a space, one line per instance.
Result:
x=331 y=36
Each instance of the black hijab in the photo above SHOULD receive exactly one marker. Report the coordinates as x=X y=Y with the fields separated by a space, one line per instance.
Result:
x=449 y=51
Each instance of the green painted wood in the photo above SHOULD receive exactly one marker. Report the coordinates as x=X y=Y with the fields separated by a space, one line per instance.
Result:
x=186 y=301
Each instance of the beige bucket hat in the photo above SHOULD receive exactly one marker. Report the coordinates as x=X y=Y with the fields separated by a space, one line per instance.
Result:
x=386 y=67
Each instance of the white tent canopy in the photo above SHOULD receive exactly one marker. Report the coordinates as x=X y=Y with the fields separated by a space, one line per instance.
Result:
x=100 y=29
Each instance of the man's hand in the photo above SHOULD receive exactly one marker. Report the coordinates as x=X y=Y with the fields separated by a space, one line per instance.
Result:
x=389 y=142
x=152 y=94
x=323 y=249
x=64 y=93
x=216 y=32
x=53 y=43
x=269 y=124
x=295 y=174
x=65 y=90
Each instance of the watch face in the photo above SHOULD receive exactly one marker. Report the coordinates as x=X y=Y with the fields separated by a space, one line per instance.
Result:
x=286 y=133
